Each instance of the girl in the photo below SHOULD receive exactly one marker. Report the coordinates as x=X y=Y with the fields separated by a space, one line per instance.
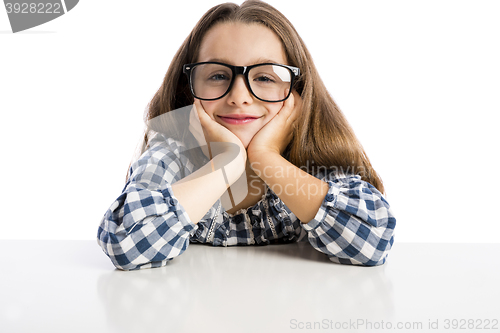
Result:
x=269 y=122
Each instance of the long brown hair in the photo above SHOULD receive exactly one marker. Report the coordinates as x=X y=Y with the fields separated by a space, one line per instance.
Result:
x=323 y=137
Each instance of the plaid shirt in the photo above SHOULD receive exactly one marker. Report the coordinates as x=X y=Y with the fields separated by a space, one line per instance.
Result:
x=146 y=226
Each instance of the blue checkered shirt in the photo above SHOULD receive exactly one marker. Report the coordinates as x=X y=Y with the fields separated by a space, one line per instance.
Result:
x=147 y=227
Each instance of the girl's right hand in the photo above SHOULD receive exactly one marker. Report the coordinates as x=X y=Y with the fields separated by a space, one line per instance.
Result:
x=215 y=132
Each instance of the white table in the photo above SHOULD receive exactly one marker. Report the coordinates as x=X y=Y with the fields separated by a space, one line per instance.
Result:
x=71 y=286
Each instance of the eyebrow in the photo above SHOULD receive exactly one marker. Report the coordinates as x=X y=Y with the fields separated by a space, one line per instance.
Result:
x=257 y=61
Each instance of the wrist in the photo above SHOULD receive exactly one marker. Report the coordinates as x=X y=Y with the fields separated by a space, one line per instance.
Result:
x=233 y=165
x=255 y=155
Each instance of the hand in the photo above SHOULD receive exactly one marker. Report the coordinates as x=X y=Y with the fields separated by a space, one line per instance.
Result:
x=215 y=132
x=278 y=132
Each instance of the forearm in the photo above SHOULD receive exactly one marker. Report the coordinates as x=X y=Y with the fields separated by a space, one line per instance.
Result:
x=302 y=193
x=200 y=190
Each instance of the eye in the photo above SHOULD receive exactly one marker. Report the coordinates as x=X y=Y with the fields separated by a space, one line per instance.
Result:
x=264 y=79
x=218 y=77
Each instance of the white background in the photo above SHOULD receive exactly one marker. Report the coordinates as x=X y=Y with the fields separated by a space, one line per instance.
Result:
x=419 y=82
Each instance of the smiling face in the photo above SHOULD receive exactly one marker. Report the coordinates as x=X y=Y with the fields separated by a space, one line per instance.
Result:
x=241 y=44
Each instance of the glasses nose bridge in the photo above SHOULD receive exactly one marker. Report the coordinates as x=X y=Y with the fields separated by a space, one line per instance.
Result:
x=243 y=70
x=240 y=70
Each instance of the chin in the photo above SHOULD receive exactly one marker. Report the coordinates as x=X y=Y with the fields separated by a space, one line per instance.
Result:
x=245 y=140
x=245 y=144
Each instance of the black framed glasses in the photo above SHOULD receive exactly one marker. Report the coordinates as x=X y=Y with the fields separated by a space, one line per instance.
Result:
x=268 y=82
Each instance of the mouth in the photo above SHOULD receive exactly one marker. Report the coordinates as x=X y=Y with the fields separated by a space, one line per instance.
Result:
x=238 y=119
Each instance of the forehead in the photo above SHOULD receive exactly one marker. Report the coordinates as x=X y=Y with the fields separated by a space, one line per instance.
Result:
x=241 y=44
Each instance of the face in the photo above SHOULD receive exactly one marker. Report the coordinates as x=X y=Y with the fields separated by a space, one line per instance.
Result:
x=241 y=44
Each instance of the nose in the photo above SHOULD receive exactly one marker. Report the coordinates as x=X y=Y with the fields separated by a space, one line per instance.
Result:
x=239 y=93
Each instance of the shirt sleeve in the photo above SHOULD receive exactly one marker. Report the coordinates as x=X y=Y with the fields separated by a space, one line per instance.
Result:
x=354 y=225
x=146 y=226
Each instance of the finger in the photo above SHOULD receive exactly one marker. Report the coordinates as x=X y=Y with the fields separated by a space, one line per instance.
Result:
x=205 y=120
x=296 y=98
x=198 y=107
x=297 y=107
x=202 y=114
x=206 y=124
x=284 y=112
x=288 y=108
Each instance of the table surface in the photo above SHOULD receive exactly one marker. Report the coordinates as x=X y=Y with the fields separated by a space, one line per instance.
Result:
x=71 y=286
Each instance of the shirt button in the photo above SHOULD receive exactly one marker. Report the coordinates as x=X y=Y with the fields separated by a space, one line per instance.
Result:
x=171 y=202
x=238 y=218
x=329 y=197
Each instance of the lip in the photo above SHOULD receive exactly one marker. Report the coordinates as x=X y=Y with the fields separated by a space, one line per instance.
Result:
x=238 y=119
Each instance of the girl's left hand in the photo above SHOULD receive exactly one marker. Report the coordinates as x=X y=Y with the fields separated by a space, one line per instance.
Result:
x=277 y=133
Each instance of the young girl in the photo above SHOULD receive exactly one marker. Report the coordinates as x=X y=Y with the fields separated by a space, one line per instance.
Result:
x=265 y=119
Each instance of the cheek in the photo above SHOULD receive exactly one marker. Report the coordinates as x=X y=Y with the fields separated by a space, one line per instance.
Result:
x=209 y=107
x=274 y=108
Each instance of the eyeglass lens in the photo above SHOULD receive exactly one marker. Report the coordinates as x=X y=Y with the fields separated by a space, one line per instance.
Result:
x=268 y=82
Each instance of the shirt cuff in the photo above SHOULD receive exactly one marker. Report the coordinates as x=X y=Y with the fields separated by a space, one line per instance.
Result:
x=328 y=203
x=173 y=205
